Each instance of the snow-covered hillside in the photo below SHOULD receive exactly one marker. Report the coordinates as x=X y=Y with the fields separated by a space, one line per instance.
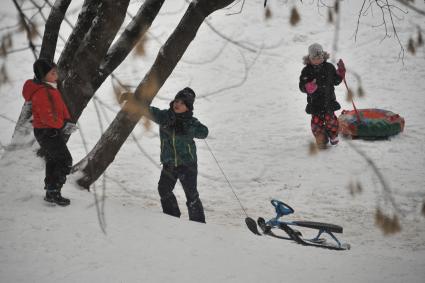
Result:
x=260 y=135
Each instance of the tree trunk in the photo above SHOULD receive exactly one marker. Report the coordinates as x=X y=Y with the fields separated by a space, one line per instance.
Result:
x=104 y=152
x=84 y=22
x=51 y=31
x=78 y=73
x=135 y=30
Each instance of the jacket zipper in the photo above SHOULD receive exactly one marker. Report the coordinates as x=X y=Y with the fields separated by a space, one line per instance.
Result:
x=174 y=146
x=190 y=152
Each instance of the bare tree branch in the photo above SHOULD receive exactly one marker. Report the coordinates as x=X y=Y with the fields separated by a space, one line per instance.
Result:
x=240 y=10
x=412 y=7
x=85 y=19
x=77 y=80
x=387 y=10
x=19 y=50
x=380 y=176
x=27 y=28
x=52 y=27
x=128 y=39
x=395 y=32
x=229 y=39
x=243 y=80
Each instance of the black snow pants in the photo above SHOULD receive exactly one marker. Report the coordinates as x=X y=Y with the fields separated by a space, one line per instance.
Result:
x=187 y=174
x=57 y=156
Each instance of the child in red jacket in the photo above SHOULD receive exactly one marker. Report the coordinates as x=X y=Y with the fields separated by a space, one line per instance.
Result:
x=51 y=121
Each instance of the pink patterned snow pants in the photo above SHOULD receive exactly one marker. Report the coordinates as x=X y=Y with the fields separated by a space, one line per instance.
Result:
x=325 y=124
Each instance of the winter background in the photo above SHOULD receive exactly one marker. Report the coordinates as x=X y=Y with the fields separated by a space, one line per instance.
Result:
x=261 y=137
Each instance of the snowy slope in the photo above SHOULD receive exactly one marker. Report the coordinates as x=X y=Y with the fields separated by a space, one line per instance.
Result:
x=41 y=243
x=260 y=135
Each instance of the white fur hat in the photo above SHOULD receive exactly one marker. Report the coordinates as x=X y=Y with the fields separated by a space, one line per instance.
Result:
x=315 y=51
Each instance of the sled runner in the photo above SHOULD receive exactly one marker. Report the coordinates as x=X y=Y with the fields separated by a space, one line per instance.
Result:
x=283 y=209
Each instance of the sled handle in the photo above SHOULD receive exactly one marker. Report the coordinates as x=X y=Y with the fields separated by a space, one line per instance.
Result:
x=281 y=208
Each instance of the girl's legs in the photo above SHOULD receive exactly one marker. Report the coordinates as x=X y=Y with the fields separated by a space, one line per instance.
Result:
x=319 y=130
x=332 y=125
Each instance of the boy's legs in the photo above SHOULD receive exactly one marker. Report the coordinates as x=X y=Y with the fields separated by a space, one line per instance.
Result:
x=319 y=130
x=332 y=125
x=58 y=163
x=166 y=184
x=188 y=175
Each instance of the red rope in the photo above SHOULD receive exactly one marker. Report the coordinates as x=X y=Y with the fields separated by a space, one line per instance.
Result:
x=352 y=101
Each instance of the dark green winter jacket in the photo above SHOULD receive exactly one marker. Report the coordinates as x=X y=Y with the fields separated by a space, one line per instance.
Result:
x=176 y=132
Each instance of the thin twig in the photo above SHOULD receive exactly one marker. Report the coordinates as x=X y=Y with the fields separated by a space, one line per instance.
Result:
x=100 y=217
x=243 y=80
x=240 y=10
x=380 y=176
x=102 y=208
x=24 y=22
x=412 y=7
x=40 y=9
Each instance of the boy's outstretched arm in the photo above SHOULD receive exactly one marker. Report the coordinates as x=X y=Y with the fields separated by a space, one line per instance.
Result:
x=161 y=117
x=198 y=130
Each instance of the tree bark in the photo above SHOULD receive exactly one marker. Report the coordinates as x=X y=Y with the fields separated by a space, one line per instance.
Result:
x=104 y=152
x=51 y=31
x=84 y=22
x=135 y=30
x=76 y=86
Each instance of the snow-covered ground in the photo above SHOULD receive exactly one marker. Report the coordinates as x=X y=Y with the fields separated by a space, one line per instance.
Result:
x=260 y=135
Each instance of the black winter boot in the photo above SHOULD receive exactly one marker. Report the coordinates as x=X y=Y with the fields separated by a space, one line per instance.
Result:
x=56 y=197
x=196 y=211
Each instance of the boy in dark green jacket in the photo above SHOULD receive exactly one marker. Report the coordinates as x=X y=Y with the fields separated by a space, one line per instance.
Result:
x=177 y=129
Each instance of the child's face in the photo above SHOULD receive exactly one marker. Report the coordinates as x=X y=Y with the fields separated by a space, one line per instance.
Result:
x=51 y=76
x=179 y=106
x=316 y=61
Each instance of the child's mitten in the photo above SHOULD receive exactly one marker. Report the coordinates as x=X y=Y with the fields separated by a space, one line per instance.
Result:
x=69 y=128
x=341 y=69
x=311 y=87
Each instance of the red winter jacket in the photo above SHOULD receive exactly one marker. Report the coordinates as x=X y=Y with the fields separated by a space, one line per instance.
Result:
x=48 y=112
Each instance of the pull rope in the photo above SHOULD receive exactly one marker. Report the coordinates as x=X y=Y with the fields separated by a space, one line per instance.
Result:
x=227 y=179
x=352 y=101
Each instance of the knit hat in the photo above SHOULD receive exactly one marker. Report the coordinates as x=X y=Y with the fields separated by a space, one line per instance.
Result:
x=187 y=95
x=41 y=67
x=315 y=51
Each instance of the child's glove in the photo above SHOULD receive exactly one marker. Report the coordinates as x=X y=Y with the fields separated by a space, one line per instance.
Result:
x=311 y=87
x=341 y=69
x=69 y=128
